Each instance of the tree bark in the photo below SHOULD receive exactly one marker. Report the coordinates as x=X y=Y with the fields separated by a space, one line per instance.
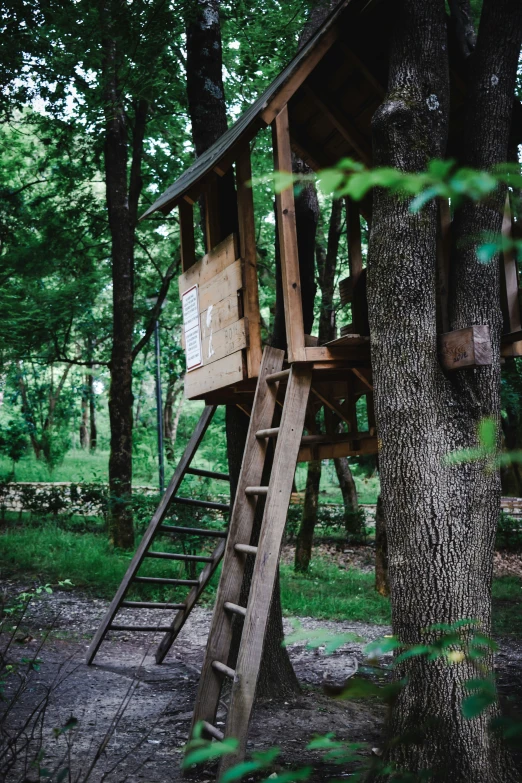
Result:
x=382 y=582
x=84 y=433
x=305 y=537
x=93 y=432
x=353 y=521
x=122 y=207
x=440 y=520
x=170 y=419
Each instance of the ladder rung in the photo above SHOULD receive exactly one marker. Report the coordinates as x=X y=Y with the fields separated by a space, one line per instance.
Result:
x=159 y=580
x=272 y=432
x=246 y=548
x=235 y=608
x=150 y=605
x=148 y=628
x=195 y=531
x=277 y=376
x=222 y=669
x=208 y=474
x=172 y=556
x=201 y=503
x=210 y=729
x=256 y=490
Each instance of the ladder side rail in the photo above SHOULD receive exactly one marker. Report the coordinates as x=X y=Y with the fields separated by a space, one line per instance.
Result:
x=240 y=530
x=157 y=519
x=267 y=562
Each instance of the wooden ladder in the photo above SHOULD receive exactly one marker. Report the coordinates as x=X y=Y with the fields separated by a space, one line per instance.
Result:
x=238 y=547
x=144 y=550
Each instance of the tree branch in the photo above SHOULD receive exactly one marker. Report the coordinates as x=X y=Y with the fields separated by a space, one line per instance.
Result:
x=156 y=310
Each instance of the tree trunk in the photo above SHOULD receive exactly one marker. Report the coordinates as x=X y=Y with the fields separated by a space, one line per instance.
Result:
x=353 y=519
x=382 y=583
x=170 y=419
x=208 y=115
x=305 y=537
x=93 y=433
x=122 y=208
x=84 y=435
x=440 y=520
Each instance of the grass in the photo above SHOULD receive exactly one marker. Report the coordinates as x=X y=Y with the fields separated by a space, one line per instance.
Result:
x=50 y=554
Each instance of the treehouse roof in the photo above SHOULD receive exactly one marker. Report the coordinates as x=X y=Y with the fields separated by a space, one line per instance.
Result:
x=296 y=77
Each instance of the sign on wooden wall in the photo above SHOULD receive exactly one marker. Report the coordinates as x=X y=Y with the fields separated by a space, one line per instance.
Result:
x=214 y=331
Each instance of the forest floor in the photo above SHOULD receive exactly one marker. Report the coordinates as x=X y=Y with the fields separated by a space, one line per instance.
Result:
x=147 y=708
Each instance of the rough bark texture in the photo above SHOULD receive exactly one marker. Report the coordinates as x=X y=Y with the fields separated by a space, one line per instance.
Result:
x=208 y=115
x=353 y=518
x=440 y=520
x=382 y=582
x=122 y=194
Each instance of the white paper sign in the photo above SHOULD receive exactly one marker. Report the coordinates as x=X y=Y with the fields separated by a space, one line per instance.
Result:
x=190 y=306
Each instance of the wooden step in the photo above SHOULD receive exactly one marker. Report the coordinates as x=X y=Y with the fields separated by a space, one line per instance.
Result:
x=277 y=376
x=175 y=556
x=214 y=733
x=145 y=628
x=271 y=432
x=246 y=549
x=222 y=669
x=256 y=490
x=150 y=605
x=235 y=608
x=194 y=531
x=160 y=580
x=201 y=503
x=208 y=474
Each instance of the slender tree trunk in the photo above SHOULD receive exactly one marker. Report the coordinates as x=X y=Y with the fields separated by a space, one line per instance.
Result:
x=305 y=537
x=440 y=520
x=122 y=205
x=170 y=419
x=93 y=433
x=84 y=436
x=353 y=519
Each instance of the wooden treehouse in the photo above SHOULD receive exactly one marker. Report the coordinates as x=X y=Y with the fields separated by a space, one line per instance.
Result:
x=320 y=107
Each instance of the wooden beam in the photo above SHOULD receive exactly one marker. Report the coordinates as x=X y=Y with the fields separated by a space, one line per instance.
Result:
x=279 y=101
x=285 y=206
x=470 y=347
x=186 y=232
x=342 y=124
x=331 y=406
x=362 y=377
x=212 y=227
x=247 y=243
x=379 y=88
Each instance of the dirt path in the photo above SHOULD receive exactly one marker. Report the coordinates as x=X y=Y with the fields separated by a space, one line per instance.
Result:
x=146 y=743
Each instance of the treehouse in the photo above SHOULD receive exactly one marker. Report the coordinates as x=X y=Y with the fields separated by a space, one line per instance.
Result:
x=320 y=107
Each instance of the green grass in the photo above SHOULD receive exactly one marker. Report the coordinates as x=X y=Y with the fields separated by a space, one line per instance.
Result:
x=48 y=554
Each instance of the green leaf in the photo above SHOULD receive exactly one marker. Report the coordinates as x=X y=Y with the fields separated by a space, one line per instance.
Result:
x=487 y=251
x=212 y=750
x=488 y=434
x=413 y=652
x=330 y=179
x=423 y=198
x=382 y=646
x=258 y=762
x=290 y=776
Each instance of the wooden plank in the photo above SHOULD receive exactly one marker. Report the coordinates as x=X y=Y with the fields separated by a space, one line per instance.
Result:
x=222 y=314
x=227 y=282
x=224 y=372
x=267 y=561
x=157 y=519
x=337 y=353
x=240 y=531
x=511 y=306
x=346 y=290
x=346 y=448
x=350 y=338
x=362 y=375
x=511 y=350
x=331 y=405
x=470 y=347
x=225 y=342
x=186 y=233
x=211 y=264
x=247 y=239
x=212 y=218
x=353 y=228
x=276 y=104
x=285 y=207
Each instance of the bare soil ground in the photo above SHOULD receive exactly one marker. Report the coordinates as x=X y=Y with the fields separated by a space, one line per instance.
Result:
x=154 y=703
x=135 y=715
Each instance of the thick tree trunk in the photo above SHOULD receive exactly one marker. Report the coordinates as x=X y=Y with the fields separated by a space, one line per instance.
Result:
x=208 y=115
x=440 y=520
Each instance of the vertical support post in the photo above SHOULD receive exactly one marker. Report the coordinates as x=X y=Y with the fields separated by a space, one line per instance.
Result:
x=212 y=222
x=186 y=230
x=247 y=249
x=285 y=208
x=353 y=226
x=511 y=306
x=443 y=266
x=159 y=410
